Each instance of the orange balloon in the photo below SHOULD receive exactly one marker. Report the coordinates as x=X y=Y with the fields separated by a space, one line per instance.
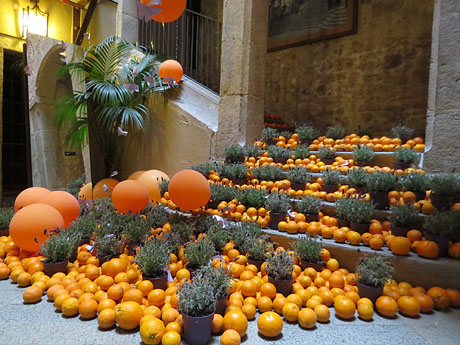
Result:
x=189 y=190
x=99 y=191
x=159 y=175
x=86 y=192
x=130 y=197
x=27 y=228
x=150 y=181
x=29 y=196
x=171 y=69
x=65 y=203
x=170 y=10
x=136 y=174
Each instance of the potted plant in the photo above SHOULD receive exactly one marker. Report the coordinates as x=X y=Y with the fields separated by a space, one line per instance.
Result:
x=279 y=154
x=204 y=168
x=418 y=183
x=308 y=250
x=298 y=176
x=136 y=231
x=404 y=157
x=153 y=259
x=403 y=218
x=342 y=211
x=279 y=269
x=240 y=233
x=268 y=173
x=198 y=253
x=197 y=304
x=373 y=273
x=269 y=135
x=356 y=178
x=440 y=227
x=331 y=180
x=310 y=207
x=234 y=154
x=220 y=193
x=157 y=216
x=164 y=185
x=443 y=189
x=252 y=151
x=108 y=246
x=5 y=218
x=57 y=250
x=278 y=205
x=402 y=132
x=363 y=155
x=379 y=184
x=219 y=236
x=180 y=233
x=221 y=282
x=238 y=173
x=360 y=215
x=301 y=152
x=251 y=197
x=335 y=132
x=257 y=248
x=327 y=155
x=307 y=134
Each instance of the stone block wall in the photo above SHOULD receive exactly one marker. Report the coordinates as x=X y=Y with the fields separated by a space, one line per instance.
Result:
x=373 y=79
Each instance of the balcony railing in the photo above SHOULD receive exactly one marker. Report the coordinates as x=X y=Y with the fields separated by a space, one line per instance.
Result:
x=194 y=40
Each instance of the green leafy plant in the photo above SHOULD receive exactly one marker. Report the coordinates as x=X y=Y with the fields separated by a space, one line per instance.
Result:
x=252 y=151
x=356 y=177
x=137 y=230
x=235 y=171
x=298 y=175
x=343 y=208
x=445 y=184
x=405 y=155
x=279 y=153
x=242 y=232
x=301 y=152
x=443 y=223
x=205 y=168
x=157 y=216
x=219 y=236
x=251 y=197
x=204 y=223
x=164 y=185
x=184 y=230
x=337 y=132
x=363 y=153
x=153 y=258
x=234 y=153
x=102 y=210
x=258 y=247
x=268 y=173
x=280 y=265
x=74 y=186
x=380 y=181
x=218 y=278
x=286 y=134
x=361 y=211
x=59 y=247
x=404 y=216
x=309 y=205
x=331 y=177
x=197 y=298
x=221 y=193
x=415 y=182
x=373 y=271
x=109 y=245
x=277 y=203
x=199 y=253
x=308 y=249
x=326 y=153
x=269 y=133
x=6 y=214
x=402 y=132
x=307 y=134
x=84 y=225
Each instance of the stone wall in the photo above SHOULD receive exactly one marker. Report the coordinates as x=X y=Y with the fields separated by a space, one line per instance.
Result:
x=373 y=79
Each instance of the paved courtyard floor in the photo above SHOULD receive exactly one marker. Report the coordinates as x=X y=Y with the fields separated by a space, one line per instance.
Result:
x=40 y=324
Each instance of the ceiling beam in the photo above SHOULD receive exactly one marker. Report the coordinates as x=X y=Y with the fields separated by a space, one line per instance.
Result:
x=84 y=27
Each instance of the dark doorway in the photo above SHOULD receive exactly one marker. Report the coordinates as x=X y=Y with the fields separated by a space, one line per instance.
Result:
x=194 y=5
x=15 y=167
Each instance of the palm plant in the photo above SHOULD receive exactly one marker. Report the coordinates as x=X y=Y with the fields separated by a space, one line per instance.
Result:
x=115 y=78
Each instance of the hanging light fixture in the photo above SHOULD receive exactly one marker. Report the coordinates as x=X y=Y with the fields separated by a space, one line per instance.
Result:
x=33 y=20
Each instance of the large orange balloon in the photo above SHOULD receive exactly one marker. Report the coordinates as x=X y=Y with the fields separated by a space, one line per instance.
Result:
x=170 y=10
x=136 y=174
x=65 y=203
x=149 y=180
x=171 y=69
x=103 y=189
x=130 y=197
x=29 y=196
x=189 y=190
x=159 y=175
x=86 y=192
x=27 y=228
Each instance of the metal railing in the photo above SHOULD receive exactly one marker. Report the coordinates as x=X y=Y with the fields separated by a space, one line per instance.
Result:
x=194 y=40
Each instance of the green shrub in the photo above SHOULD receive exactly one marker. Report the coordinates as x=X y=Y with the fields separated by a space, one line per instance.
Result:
x=280 y=265
x=59 y=247
x=269 y=133
x=404 y=216
x=235 y=171
x=309 y=205
x=335 y=133
x=218 y=278
x=402 y=132
x=137 y=230
x=157 y=216
x=301 y=152
x=268 y=173
x=219 y=236
x=331 y=177
x=405 y=155
x=308 y=249
x=415 y=182
x=84 y=225
x=373 y=271
x=326 y=153
x=298 y=175
x=199 y=253
x=278 y=152
x=109 y=245
x=356 y=177
x=234 y=153
x=258 y=247
x=242 y=232
x=252 y=151
x=445 y=184
x=6 y=214
x=221 y=193
x=443 y=223
x=251 y=197
x=307 y=134
x=361 y=211
x=363 y=153
x=343 y=208
x=380 y=181
x=153 y=258
x=205 y=168
x=277 y=203
x=74 y=186
x=164 y=185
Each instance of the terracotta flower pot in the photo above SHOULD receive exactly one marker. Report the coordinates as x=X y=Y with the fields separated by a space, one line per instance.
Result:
x=270 y=142
x=51 y=268
x=221 y=305
x=158 y=282
x=361 y=190
x=362 y=163
x=298 y=186
x=318 y=266
x=275 y=218
x=359 y=227
x=282 y=286
x=399 y=230
x=380 y=200
x=197 y=329
x=311 y=217
x=257 y=263
x=329 y=188
x=343 y=223
x=401 y=165
x=328 y=161
x=132 y=248
x=371 y=292
x=441 y=202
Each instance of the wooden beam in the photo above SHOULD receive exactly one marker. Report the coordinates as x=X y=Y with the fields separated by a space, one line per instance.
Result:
x=84 y=27
x=76 y=13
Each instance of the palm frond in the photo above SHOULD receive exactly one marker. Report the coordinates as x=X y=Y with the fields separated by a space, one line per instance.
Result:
x=106 y=94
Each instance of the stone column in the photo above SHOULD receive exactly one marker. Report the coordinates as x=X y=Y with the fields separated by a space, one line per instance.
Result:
x=443 y=117
x=127 y=26
x=242 y=84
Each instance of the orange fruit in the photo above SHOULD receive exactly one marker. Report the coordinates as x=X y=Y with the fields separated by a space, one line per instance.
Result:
x=439 y=296
x=115 y=292
x=322 y=313
x=408 y=306
x=106 y=303
x=236 y=320
x=365 y=311
x=32 y=294
x=291 y=311
x=344 y=308
x=217 y=323
x=88 y=309
x=134 y=295
x=171 y=338
x=70 y=306
x=278 y=304
x=249 y=310
x=106 y=318
x=248 y=288
x=264 y=304
x=152 y=331
x=268 y=289
x=116 y=266
x=230 y=337
x=128 y=315
x=270 y=324
x=169 y=315
x=307 y=318
x=387 y=306
x=426 y=303
x=156 y=297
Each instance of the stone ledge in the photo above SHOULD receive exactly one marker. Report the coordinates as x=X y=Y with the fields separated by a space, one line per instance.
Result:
x=443 y=272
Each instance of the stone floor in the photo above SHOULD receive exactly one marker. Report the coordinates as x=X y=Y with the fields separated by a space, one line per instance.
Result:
x=40 y=324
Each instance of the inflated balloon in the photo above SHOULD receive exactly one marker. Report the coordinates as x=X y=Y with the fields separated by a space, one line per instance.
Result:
x=86 y=192
x=170 y=10
x=159 y=175
x=65 y=203
x=171 y=69
x=103 y=189
x=188 y=189
x=29 y=196
x=32 y=224
x=150 y=182
x=130 y=197
x=136 y=174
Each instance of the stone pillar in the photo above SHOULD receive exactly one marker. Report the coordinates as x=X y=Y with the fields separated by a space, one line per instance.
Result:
x=242 y=84
x=443 y=117
x=127 y=26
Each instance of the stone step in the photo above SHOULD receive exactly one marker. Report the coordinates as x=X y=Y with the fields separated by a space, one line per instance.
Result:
x=443 y=272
